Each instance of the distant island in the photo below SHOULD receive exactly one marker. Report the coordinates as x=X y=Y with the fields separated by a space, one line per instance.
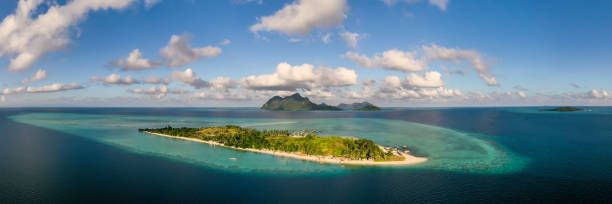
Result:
x=296 y=102
x=563 y=109
x=363 y=106
x=301 y=144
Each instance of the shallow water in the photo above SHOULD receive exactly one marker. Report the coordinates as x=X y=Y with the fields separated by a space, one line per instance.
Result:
x=491 y=155
x=446 y=149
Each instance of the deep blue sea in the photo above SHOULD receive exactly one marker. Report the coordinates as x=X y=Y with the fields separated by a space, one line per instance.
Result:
x=486 y=155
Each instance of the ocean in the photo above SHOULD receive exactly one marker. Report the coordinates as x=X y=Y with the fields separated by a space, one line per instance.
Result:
x=491 y=155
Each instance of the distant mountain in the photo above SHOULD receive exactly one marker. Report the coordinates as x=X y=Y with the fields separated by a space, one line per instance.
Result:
x=295 y=102
x=363 y=106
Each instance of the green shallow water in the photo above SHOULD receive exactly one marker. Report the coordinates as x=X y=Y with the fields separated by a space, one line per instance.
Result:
x=446 y=149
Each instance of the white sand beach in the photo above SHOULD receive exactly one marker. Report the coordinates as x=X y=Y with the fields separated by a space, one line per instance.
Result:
x=409 y=159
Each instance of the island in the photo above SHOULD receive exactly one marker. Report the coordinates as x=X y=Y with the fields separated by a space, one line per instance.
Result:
x=363 y=106
x=564 y=109
x=303 y=144
x=296 y=102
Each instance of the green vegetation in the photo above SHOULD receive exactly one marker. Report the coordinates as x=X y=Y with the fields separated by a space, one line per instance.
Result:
x=294 y=102
x=564 y=109
x=284 y=140
x=363 y=106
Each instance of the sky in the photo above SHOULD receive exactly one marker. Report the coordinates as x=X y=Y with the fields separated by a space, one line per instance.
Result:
x=239 y=53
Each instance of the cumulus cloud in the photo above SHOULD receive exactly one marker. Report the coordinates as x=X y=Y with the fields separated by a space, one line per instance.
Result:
x=38 y=76
x=179 y=52
x=115 y=79
x=136 y=62
x=223 y=84
x=189 y=77
x=351 y=39
x=391 y=59
x=428 y=80
x=596 y=94
x=301 y=16
x=305 y=76
x=27 y=34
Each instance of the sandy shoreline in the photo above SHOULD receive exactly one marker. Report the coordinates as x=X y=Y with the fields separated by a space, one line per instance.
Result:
x=409 y=159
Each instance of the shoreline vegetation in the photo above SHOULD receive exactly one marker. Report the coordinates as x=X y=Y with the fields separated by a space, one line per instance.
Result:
x=302 y=145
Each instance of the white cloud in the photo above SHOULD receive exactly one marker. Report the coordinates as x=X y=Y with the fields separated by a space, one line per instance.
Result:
x=54 y=88
x=27 y=35
x=156 y=80
x=179 y=52
x=326 y=38
x=301 y=16
x=391 y=59
x=2 y=99
x=157 y=92
x=435 y=52
x=595 y=94
x=115 y=79
x=38 y=76
x=428 y=80
x=399 y=60
x=351 y=39
x=223 y=83
x=135 y=61
x=223 y=96
x=305 y=76
x=11 y=91
x=189 y=77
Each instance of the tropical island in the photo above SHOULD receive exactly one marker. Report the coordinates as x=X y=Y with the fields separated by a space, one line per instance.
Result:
x=296 y=102
x=297 y=144
x=564 y=109
x=363 y=106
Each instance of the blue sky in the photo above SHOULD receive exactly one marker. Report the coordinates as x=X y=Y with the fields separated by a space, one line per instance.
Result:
x=440 y=53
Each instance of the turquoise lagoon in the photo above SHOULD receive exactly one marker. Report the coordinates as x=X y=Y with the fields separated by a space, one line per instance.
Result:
x=447 y=149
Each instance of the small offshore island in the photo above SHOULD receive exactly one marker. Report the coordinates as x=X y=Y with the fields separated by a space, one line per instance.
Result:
x=296 y=102
x=564 y=109
x=300 y=145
